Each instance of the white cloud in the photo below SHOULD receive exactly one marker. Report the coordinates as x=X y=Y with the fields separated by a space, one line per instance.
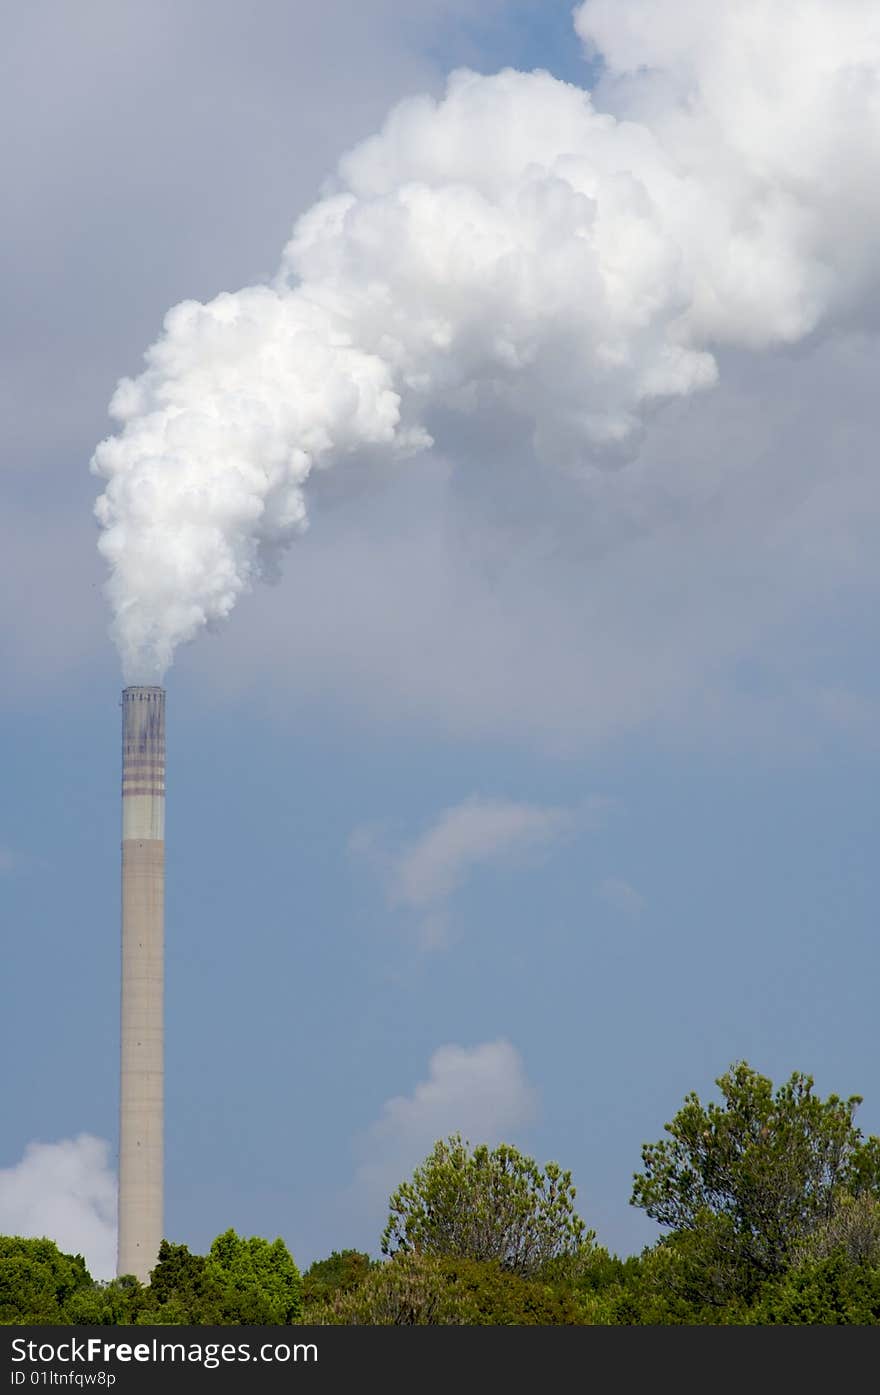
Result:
x=65 y=1191
x=470 y=834
x=481 y=1092
x=621 y=896
x=423 y=875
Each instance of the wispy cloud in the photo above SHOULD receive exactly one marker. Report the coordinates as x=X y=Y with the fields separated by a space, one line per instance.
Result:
x=422 y=875
x=65 y=1191
x=9 y=860
x=621 y=896
x=471 y=834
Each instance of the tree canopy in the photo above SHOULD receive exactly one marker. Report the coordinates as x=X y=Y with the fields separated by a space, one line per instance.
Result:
x=431 y=1290
x=256 y=1280
x=251 y=1281
x=37 y=1280
x=486 y=1204
x=769 y=1201
x=342 y=1271
x=742 y=1184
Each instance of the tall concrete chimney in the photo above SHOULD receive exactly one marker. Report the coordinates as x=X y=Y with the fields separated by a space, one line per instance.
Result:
x=143 y=909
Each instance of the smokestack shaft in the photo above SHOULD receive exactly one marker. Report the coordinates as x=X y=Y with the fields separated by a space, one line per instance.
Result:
x=142 y=1035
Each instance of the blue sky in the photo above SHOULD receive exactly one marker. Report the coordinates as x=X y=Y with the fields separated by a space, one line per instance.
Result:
x=495 y=814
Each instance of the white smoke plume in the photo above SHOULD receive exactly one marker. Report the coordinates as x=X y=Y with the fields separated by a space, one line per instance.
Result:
x=66 y=1192
x=569 y=259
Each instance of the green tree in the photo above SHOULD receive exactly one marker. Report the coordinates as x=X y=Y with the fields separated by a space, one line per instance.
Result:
x=251 y=1282
x=833 y=1292
x=742 y=1184
x=179 y=1293
x=666 y=1286
x=497 y=1297
x=342 y=1271
x=37 y=1280
x=178 y=1272
x=119 y=1302
x=852 y=1229
x=487 y=1205
x=256 y=1281
x=421 y=1290
x=409 y=1291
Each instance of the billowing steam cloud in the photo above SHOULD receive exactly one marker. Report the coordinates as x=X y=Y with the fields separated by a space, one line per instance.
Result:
x=65 y=1191
x=570 y=260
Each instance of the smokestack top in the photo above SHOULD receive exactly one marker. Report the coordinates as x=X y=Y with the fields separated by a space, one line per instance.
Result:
x=143 y=762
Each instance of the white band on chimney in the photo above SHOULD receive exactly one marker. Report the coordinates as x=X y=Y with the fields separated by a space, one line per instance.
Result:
x=143 y=816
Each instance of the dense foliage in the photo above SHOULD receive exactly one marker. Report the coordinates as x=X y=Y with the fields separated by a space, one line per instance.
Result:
x=341 y=1272
x=251 y=1282
x=769 y=1202
x=415 y=1289
x=238 y=1281
x=744 y=1185
x=494 y=1205
x=37 y=1282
